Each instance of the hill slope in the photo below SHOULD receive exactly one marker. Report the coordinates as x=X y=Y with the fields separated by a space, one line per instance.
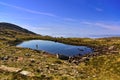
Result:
x=8 y=26
x=12 y=32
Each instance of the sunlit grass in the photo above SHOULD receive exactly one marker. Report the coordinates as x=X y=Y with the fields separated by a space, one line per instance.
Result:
x=46 y=66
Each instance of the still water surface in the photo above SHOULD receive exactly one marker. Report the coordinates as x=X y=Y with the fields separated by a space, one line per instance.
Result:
x=55 y=47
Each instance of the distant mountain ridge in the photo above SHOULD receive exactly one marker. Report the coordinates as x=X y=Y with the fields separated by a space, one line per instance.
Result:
x=9 y=26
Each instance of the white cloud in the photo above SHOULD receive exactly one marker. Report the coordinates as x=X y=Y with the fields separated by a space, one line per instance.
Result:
x=36 y=12
x=69 y=19
x=28 y=10
x=103 y=25
x=38 y=28
x=41 y=28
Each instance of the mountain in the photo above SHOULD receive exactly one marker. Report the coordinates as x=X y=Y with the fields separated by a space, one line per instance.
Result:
x=12 y=27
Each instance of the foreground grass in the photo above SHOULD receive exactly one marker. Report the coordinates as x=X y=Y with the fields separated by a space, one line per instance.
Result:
x=44 y=66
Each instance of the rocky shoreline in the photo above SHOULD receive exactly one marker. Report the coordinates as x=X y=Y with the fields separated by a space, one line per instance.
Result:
x=96 y=52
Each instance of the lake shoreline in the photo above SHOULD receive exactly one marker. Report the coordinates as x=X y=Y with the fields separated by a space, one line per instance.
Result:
x=56 y=47
x=98 y=50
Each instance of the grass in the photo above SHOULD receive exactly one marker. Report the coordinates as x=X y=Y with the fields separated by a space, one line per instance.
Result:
x=48 y=67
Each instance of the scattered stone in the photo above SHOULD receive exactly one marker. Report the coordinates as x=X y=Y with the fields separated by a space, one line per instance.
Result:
x=16 y=70
x=114 y=52
x=111 y=48
x=62 y=57
x=9 y=69
x=47 y=67
x=32 y=60
x=27 y=73
x=20 y=59
x=5 y=58
x=28 y=54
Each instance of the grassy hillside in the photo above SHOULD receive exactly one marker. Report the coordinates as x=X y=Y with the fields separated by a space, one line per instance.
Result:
x=12 y=27
x=44 y=66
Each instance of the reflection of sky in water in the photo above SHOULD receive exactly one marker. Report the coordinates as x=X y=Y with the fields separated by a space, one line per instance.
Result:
x=55 y=47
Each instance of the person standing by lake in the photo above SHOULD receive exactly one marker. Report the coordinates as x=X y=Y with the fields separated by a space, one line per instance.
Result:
x=37 y=46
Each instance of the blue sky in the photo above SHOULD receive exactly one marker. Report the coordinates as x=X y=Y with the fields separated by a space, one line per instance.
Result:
x=67 y=18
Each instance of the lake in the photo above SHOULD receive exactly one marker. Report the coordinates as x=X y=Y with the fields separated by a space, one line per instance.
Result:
x=55 y=47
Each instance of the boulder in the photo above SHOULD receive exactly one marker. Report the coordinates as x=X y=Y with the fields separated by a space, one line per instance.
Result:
x=62 y=57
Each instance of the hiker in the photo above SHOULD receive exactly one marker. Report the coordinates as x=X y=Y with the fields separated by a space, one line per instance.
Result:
x=36 y=46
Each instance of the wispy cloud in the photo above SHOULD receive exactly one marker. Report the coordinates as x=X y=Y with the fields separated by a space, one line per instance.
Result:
x=99 y=9
x=39 y=28
x=28 y=10
x=15 y=17
x=103 y=25
x=69 y=19
x=36 y=12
